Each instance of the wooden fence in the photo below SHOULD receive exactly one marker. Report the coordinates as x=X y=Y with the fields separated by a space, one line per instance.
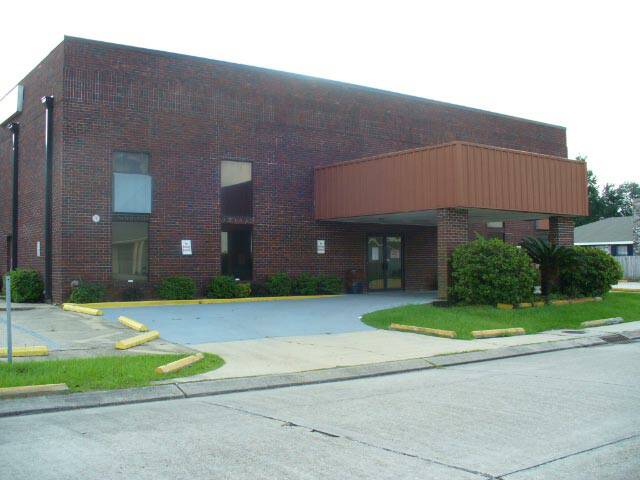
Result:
x=631 y=267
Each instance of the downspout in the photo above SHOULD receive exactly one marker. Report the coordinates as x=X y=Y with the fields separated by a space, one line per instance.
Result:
x=48 y=204
x=15 y=138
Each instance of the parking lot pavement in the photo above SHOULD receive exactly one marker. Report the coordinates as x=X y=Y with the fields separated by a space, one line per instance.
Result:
x=226 y=322
x=69 y=334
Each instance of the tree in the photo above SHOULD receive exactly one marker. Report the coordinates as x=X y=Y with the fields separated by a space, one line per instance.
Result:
x=628 y=191
x=610 y=201
x=595 y=203
x=548 y=257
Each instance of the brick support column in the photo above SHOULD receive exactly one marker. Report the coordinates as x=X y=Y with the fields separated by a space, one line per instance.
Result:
x=561 y=231
x=453 y=230
x=636 y=226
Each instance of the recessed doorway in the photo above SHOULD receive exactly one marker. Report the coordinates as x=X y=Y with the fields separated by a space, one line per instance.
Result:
x=385 y=262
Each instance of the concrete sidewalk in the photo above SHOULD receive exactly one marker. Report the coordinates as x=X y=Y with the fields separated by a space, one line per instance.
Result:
x=298 y=354
x=71 y=335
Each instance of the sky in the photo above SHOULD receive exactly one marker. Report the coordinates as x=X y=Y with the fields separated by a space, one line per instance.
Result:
x=570 y=63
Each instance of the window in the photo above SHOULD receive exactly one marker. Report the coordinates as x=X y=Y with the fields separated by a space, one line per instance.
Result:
x=131 y=183
x=621 y=250
x=130 y=250
x=542 y=224
x=236 y=189
x=236 y=252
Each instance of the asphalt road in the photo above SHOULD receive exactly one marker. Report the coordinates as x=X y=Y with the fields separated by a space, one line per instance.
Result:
x=572 y=414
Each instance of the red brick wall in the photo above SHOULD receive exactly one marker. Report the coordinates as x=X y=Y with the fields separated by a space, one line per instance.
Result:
x=45 y=79
x=189 y=114
x=453 y=230
x=561 y=230
x=513 y=231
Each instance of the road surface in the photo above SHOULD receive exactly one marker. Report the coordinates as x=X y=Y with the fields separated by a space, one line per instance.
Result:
x=572 y=414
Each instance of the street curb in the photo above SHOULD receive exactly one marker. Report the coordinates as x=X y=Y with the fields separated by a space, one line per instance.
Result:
x=173 y=391
x=199 y=301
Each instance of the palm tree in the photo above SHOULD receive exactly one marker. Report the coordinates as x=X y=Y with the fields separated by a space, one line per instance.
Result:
x=548 y=257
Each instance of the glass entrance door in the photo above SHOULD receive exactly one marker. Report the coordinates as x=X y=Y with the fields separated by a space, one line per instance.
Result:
x=384 y=262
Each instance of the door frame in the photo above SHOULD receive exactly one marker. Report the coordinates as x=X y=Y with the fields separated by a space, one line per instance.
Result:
x=385 y=260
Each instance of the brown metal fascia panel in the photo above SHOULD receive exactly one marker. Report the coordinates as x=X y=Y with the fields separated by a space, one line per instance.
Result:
x=504 y=179
x=458 y=174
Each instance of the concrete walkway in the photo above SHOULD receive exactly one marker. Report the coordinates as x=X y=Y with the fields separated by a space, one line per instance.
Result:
x=71 y=335
x=298 y=354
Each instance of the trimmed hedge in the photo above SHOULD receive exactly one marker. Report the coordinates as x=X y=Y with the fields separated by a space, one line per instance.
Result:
x=488 y=272
x=222 y=287
x=306 y=284
x=330 y=285
x=588 y=272
x=227 y=287
x=87 y=292
x=243 y=290
x=279 y=285
x=26 y=286
x=177 y=288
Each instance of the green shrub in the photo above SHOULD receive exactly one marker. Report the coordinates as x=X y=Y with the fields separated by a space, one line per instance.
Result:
x=548 y=257
x=330 y=285
x=222 y=287
x=87 y=292
x=306 y=284
x=588 y=272
x=243 y=289
x=26 y=286
x=177 y=288
x=226 y=287
x=487 y=272
x=279 y=285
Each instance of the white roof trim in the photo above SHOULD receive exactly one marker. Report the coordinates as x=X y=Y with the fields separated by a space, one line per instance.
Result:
x=624 y=242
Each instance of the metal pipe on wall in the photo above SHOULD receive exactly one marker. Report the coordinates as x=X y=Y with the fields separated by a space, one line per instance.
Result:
x=48 y=204
x=15 y=139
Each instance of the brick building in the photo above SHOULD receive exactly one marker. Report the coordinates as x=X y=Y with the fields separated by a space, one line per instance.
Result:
x=124 y=165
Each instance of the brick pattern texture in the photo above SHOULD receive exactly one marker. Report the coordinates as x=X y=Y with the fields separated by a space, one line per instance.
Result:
x=189 y=114
x=561 y=230
x=46 y=79
x=453 y=230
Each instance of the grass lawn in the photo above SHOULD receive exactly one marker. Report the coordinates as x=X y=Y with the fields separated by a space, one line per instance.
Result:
x=463 y=320
x=100 y=373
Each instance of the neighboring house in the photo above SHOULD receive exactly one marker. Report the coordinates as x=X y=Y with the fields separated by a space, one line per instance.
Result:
x=125 y=165
x=619 y=236
x=613 y=235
